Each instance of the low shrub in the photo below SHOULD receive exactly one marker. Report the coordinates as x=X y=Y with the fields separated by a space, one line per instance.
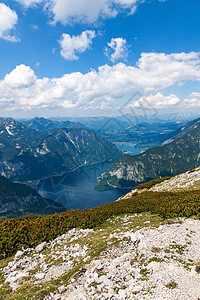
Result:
x=32 y=230
x=150 y=184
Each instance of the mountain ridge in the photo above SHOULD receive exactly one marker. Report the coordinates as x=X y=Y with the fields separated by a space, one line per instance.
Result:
x=42 y=124
x=26 y=154
x=180 y=155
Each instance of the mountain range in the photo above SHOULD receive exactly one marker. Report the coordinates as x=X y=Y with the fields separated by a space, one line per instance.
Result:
x=144 y=134
x=178 y=156
x=43 y=124
x=27 y=154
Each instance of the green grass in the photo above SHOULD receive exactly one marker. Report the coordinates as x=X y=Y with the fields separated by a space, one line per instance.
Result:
x=171 y=285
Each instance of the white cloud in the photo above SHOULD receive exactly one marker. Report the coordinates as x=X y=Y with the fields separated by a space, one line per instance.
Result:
x=21 y=77
x=120 y=51
x=8 y=20
x=129 y=4
x=89 y=11
x=28 y=3
x=84 y=11
x=192 y=101
x=72 y=45
x=35 y=27
x=21 y=89
x=156 y=101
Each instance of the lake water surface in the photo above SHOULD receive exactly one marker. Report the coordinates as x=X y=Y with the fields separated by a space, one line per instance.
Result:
x=128 y=148
x=75 y=189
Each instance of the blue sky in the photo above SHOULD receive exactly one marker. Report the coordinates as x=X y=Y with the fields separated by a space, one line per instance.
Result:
x=86 y=57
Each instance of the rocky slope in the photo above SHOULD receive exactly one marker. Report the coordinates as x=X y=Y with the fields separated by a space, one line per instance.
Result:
x=27 y=155
x=158 y=261
x=174 y=158
x=128 y=256
x=18 y=199
x=187 y=181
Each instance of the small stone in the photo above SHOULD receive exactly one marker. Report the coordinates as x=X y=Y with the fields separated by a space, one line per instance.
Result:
x=154 y=266
x=100 y=267
x=39 y=276
x=137 y=289
x=122 y=294
x=62 y=289
x=19 y=254
x=56 y=297
x=14 y=286
x=41 y=247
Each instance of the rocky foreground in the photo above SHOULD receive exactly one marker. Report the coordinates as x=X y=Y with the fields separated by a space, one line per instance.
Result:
x=141 y=260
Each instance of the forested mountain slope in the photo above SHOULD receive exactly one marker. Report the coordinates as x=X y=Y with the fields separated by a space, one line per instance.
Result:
x=26 y=154
x=176 y=157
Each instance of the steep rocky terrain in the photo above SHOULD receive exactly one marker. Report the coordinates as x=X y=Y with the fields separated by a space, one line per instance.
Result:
x=26 y=154
x=173 y=158
x=18 y=199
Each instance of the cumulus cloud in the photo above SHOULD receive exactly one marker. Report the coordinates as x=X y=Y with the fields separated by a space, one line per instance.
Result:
x=89 y=11
x=84 y=11
x=119 y=48
x=8 y=20
x=72 y=45
x=21 y=89
x=192 y=101
x=22 y=76
x=156 y=101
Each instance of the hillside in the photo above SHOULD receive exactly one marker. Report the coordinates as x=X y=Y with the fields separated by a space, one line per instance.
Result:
x=26 y=154
x=145 y=246
x=174 y=158
x=18 y=199
x=188 y=181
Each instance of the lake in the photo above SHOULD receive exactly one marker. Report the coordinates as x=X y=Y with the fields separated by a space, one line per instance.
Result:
x=75 y=189
x=128 y=148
